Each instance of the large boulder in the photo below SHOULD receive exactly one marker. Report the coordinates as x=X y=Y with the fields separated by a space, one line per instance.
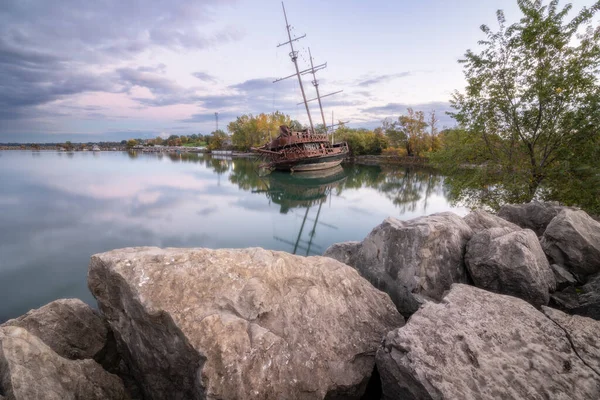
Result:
x=535 y=215
x=69 y=326
x=477 y=344
x=510 y=262
x=584 y=300
x=572 y=239
x=233 y=324
x=414 y=261
x=29 y=369
x=480 y=220
x=345 y=252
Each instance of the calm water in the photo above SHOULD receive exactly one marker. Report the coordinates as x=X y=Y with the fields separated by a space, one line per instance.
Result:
x=57 y=209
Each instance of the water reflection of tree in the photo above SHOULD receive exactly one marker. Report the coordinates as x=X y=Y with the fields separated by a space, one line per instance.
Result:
x=245 y=175
x=404 y=186
x=479 y=188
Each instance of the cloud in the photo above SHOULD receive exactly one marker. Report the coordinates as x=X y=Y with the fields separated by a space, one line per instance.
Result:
x=394 y=110
x=383 y=78
x=224 y=117
x=204 y=76
x=56 y=50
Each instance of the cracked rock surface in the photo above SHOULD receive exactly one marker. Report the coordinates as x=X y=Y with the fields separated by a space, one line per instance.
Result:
x=583 y=333
x=481 y=345
x=233 y=324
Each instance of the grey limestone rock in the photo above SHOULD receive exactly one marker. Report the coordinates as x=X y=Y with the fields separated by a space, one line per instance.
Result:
x=572 y=240
x=414 y=261
x=481 y=345
x=535 y=215
x=233 y=324
x=479 y=220
x=29 y=369
x=510 y=262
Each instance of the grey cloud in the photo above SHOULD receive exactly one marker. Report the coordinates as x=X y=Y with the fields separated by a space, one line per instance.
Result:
x=204 y=76
x=210 y=117
x=165 y=91
x=159 y=68
x=383 y=78
x=110 y=28
x=396 y=109
x=52 y=50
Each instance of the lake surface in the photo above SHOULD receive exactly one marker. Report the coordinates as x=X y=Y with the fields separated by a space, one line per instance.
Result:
x=57 y=209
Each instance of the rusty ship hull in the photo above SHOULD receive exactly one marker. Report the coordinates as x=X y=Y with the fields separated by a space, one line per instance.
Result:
x=302 y=151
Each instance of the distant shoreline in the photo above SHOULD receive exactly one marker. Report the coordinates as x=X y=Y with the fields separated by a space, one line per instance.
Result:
x=362 y=159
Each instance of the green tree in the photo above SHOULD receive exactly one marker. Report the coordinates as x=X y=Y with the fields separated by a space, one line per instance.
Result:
x=131 y=143
x=530 y=90
x=68 y=145
x=396 y=137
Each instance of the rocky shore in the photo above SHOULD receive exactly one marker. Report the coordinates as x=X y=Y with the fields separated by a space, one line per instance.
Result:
x=488 y=306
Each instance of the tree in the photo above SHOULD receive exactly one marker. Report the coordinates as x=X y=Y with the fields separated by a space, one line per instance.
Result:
x=397 y=137
x=530 y=87
x=68 y=145
x=131 y=143
x=217 y=140
x=248 y=131
x=413 y=127
x=433 y=132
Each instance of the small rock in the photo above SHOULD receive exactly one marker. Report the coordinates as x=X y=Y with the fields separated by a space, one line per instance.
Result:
x=345 y=252
x=572 y=239
x=563 y=277
x=535 y=215
x=584 y=300
x=69 y=326
x=32 y=370
x=479 y=220
x=481 y=345
x=510 y=262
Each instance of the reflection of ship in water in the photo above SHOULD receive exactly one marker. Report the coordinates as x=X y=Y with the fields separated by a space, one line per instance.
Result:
x=303 y=190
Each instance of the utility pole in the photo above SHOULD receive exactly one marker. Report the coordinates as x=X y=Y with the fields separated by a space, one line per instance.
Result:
x=217 y=120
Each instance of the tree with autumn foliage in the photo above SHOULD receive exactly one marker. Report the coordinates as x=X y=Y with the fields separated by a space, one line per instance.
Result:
x=249 y=131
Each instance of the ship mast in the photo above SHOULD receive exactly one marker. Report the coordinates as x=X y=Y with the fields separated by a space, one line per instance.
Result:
x=294 y=57
x=315 y=83
x=313 y=69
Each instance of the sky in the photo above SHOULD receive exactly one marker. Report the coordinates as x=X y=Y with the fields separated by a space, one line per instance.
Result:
x=119 y=69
